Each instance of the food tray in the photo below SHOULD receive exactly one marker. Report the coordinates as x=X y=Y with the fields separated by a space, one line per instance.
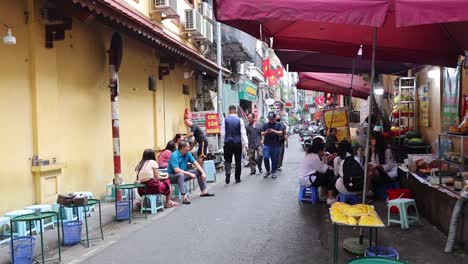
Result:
x=343 y=224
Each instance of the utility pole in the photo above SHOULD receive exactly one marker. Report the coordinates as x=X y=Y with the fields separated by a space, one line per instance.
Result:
x=219 y=60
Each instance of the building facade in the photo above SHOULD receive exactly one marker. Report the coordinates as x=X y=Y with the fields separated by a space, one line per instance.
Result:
x=55 y=101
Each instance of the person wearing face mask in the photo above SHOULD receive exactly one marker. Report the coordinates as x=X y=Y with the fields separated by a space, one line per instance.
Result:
x=271 y=134
x=283 y=140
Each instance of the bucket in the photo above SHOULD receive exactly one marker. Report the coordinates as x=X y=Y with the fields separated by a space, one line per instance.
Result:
x=123 y=210
x=396 y=194
x=375 y=260
x=72 y=232
x=383 y=252
x=22 y=249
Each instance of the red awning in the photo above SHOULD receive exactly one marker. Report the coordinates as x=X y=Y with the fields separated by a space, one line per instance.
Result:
x=121 y=13
x=340 y=27
x=334 y=83
x=420 y=12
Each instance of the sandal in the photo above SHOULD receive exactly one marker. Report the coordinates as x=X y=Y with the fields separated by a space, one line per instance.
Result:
x=171 y=204
x=186 y=201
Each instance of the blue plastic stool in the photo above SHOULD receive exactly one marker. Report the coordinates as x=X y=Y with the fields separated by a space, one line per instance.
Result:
x=176 y=193
x=308 y=194
x=348 y=198
x=381 y=191
x=20 y=229
x=155 y=203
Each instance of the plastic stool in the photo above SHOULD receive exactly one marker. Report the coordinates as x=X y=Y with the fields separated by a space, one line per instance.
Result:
x=403 y=204
x=348 y=198
x=155 y=203
x=21 y=227
x=4 y=222
x=44 y=208
x=176 y=193
x=308 y=194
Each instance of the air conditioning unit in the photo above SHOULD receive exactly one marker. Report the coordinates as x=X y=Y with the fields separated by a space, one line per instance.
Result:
x=167 y=7
x=205 y=10
x=208 y=31
x=202 y=36
x=193 y=22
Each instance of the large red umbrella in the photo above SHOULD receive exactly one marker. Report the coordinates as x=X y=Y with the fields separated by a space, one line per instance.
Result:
x=340 y=27
x=306 y=61
x=335 y=83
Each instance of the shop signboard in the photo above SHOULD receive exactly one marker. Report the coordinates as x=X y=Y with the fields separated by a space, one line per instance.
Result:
x=199 y=118
x=337 y=118
x=288 y=105
x=248 y=91
x=450 y=99
x=212 y=123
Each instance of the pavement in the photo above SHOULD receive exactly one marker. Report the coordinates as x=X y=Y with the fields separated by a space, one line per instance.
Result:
x=256 y=221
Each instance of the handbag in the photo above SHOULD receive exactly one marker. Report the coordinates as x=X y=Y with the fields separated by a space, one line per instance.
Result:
x=65 y=199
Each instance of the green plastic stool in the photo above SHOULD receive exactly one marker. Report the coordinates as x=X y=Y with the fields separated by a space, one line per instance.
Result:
x=176 y=193
x=155 y=203
x=403 y=204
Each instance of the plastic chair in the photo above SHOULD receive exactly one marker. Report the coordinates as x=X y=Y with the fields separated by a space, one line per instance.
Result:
x=153 y=203
x=110 y=193
x=43 y=208
x=66 y=213
x=348 y=198
x=403 y=204
x=4 y=223
x=21 y=229
x=308 y=194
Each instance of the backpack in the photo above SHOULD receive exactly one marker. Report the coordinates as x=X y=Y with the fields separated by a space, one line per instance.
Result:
x=353 y=175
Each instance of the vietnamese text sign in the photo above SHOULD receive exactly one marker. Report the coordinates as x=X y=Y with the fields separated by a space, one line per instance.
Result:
x=451 y=97
x=212 y=123
x=337 y=118
x=248 y=91
x=199 y=118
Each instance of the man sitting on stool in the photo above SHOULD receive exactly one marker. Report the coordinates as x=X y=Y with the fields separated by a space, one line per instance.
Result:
x=178 y=171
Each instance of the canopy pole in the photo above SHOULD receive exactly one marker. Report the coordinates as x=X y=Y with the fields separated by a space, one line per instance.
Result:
x=351 y=94
x=366 y=171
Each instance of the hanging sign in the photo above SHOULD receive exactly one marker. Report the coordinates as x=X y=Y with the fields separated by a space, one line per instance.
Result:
x=212 y=123
x=424 y=105
x=337 y=118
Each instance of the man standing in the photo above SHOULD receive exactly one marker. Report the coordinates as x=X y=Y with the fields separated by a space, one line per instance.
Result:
x=254 y=134
x=271 y=133
x=200 y=139
x=235 y=140
x=283 y=144
x=179 y=174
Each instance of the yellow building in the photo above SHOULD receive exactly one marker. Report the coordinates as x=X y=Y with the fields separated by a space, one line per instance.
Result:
x=55 y=100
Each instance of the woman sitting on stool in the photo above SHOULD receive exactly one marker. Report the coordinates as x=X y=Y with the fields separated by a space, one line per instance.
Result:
x=314 y=170
x=147 y=174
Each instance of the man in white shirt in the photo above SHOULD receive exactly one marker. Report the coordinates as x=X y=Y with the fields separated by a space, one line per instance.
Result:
x=235 y=140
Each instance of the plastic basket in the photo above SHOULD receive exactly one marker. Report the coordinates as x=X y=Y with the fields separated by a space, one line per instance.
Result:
x=72 y=232
x=22 y=249
x=375 y=260
x=383 y=252
x=123 y=210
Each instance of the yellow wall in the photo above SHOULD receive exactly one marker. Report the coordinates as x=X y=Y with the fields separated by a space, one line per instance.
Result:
x=56 y=103
x=16 y=134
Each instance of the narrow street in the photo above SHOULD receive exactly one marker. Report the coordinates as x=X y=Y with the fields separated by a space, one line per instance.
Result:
x=257 y=221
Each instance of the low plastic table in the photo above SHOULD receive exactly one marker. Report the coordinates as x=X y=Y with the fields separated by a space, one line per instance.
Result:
x=91 y=202
x=131 y=196
x=30 y=218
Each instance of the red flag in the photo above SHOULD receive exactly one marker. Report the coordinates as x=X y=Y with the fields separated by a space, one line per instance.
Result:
x=266 y=67
x=272 y=80
x=279 y=72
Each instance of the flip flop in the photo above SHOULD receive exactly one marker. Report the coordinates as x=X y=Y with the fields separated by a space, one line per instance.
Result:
x=207 y=195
